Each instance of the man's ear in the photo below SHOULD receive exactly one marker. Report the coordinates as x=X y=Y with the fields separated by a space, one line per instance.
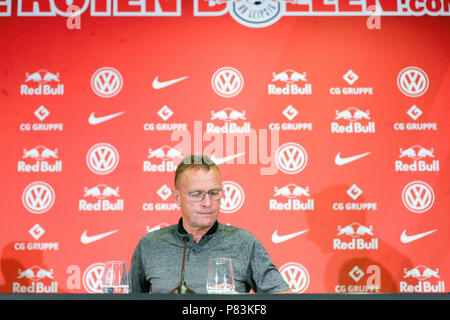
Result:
x=176 y=197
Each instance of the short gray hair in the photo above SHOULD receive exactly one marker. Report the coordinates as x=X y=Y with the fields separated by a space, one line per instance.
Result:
x=198 y=161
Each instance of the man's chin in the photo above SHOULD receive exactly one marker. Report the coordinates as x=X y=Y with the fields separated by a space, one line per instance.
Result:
x=206 y=220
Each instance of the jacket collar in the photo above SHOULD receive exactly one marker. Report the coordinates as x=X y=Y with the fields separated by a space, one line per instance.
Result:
x=211 y=231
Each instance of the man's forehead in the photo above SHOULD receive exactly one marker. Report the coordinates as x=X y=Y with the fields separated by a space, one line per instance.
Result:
x=199 y=177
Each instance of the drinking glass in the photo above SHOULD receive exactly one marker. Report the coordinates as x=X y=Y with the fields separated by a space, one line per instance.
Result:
x=220 y=276
x=115 y=278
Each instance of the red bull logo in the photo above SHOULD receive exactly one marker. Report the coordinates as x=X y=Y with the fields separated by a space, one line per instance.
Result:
x=229 y=116
x=291 y=79
x=39 y=278
x=101 y=192
x=359 y=235
x=35 y=273
x=416 y=152
x=165 y=153
x=42 y=76
x=355 y=230
x=355 y=117
x=417 y=159
x=428 y=280
x=291 y=191
x=45 y=81
x=352 y=114
x=42 y=156
x=169 y=158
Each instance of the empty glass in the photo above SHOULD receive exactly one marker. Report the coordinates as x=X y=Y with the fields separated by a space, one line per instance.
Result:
x=220 y=276
x=115 y=278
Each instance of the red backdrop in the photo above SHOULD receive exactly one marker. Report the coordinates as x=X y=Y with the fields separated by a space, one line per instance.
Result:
x=343 y=174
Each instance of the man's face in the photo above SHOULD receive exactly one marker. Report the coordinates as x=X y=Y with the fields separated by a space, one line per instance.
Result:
x=203 y=214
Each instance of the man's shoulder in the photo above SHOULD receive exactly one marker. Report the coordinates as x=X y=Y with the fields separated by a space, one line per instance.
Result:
x=161 y=234
x=233 y=231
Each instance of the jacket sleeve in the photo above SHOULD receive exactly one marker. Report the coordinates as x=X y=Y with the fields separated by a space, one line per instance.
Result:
x=265 y=275
x=137 y=275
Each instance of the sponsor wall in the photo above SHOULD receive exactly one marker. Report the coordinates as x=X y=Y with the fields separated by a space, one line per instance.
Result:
x=328 y=123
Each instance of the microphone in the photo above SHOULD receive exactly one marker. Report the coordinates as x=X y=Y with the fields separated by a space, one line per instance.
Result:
x=182 y=288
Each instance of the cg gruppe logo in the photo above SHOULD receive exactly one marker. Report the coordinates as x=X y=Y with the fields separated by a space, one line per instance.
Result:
x=106 y=82
x=291 y=158
x=418 y=196
x=412 y=81
x=38 y=197
x=233 y=197
x=102 y=158
x=227 y=82
x=296 y=276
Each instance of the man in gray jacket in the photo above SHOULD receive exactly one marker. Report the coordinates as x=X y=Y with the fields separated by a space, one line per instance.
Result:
x=157 y=259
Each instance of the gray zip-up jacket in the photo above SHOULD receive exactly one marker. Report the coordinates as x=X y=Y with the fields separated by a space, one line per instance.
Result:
x=157 y=259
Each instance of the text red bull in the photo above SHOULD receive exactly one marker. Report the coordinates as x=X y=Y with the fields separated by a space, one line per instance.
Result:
x=101 y=205
x=39 y=166
x=164 y=166
x=35 y=287
x=355 y=244
x=291 y=204
x=228 y=127
x=42 y=89
x=422 y=287
x=353 y=127
x=417 y=166
x=289 y=89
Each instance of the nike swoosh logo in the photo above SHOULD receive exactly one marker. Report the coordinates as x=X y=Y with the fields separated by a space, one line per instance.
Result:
x=162 y=84
x=341 y=161
x=278 y=239
x=85 y=239
x=407 y=239
x=96 y=120
x=225 y=159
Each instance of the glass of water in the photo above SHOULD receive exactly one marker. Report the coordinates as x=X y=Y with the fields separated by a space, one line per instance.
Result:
x=115 y=278
x=220 y=276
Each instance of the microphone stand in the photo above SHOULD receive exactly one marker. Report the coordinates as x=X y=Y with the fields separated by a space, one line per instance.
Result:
x=182 y=288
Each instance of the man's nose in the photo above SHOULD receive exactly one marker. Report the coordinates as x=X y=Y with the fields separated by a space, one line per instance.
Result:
x=206 y=202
